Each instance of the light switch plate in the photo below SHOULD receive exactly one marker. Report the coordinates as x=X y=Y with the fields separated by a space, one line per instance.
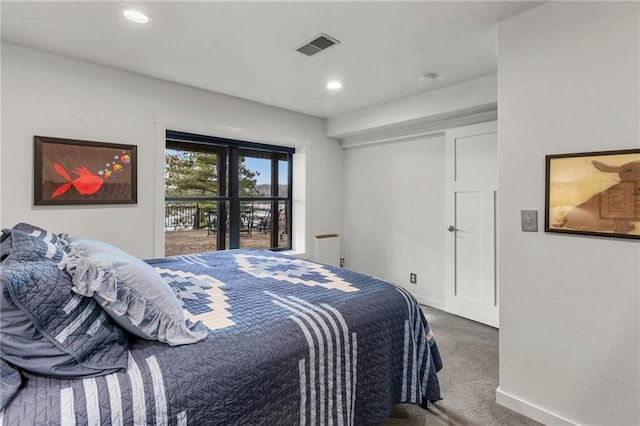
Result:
x=529 y=220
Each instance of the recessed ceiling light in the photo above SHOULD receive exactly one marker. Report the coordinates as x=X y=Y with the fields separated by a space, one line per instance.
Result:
x=136 y=15
x=334 y=85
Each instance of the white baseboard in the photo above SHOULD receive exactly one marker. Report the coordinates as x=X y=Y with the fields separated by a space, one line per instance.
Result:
x=438 y=304
x=527 y=409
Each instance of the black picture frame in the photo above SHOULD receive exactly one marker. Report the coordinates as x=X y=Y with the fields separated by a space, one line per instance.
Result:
x=593 y=193
x=74 y=172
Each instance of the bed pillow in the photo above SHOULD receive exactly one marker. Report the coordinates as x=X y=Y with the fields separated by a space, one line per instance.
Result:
x=131 y=292
x=39 y=232
x=45 y=327
x=5 y=245
x=59 y=240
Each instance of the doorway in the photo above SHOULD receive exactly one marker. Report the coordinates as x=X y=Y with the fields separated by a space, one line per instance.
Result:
x=471 y=191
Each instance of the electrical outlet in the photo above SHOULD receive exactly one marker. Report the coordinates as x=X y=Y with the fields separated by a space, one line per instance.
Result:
x=413 y=278
x=342 y=262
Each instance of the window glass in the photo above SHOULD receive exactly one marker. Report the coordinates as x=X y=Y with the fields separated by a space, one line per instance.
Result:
x=207 y=209
x=255 y=176
x=283 y=178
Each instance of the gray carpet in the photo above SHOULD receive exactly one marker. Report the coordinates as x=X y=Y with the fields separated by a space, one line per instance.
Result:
x=468 y=380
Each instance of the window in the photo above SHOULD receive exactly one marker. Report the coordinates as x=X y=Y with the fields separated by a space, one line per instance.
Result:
x=226 y=194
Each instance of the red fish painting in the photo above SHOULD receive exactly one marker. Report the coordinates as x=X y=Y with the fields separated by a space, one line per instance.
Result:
x=86 y=183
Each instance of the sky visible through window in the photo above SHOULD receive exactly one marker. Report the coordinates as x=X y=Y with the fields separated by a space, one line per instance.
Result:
x=263 y=167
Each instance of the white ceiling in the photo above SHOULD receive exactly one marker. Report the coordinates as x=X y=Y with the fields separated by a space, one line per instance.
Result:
x=247 y=49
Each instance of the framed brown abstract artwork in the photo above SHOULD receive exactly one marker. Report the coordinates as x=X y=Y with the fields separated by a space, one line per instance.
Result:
x=594 y=193
x=69 y=171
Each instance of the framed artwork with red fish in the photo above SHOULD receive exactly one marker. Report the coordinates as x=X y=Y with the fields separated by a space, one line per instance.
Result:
x=594 y=193
x=70 y=171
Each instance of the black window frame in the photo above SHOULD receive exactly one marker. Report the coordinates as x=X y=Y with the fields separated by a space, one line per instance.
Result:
x=228 y=191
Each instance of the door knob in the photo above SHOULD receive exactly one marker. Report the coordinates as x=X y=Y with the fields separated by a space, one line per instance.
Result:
x=451 y=228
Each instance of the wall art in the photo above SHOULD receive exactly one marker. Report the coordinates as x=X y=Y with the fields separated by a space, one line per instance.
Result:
x=594 y=193
x=69 y=171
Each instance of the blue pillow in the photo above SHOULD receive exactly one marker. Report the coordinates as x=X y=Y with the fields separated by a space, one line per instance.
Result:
x=45 y=327
x=39 y=232
x=131 y=292
x=5 y=247
x=59 y=240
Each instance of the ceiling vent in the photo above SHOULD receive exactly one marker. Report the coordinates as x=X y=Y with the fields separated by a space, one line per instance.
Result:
x=317 y=44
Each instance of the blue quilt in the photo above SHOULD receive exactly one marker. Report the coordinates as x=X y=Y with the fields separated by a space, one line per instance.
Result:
x=290 y=342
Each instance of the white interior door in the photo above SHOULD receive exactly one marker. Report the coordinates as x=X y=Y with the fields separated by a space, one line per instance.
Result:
x=471 y=182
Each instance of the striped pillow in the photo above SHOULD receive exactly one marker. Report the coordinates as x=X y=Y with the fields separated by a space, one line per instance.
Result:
x=47 y=328
x=36 y=231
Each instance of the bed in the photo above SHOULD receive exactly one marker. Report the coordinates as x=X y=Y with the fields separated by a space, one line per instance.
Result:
x=270 y=339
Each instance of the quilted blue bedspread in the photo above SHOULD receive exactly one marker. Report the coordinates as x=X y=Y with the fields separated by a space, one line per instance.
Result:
x=291 y=342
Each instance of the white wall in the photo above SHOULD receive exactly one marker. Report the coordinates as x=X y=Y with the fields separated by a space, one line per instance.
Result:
x=394 y=213
x=568 y=81
x=45 y=94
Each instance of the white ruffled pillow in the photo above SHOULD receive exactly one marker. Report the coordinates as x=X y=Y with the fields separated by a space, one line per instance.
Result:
x=131 y=292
